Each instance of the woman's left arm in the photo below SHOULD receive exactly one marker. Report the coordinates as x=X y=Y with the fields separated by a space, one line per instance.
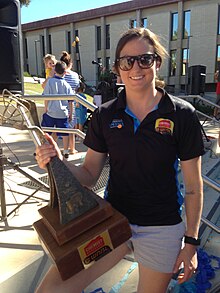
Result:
x=191 y=170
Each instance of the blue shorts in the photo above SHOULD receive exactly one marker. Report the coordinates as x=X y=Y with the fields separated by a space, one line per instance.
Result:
x=48 y=121
x=157 y=247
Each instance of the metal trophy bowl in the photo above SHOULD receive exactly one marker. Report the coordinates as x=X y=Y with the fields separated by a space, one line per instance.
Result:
x=77 y=227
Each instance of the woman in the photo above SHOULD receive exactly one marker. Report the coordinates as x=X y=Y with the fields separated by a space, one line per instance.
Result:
x=73 y=79
x=145 y=131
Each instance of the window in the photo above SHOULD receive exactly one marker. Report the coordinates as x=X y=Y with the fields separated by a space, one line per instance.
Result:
x=25 y=48
x=107 y=35
x=98 y=41
x=43 y=45
x=78 y=66
x=133 y=23
x=69 y=42
x=144 y=22
x=185 y=61
x=77 y=44
x=219 y=20
x=107 y=63
x=173 y=63
x=174 y=27
x=49 y=44
x=218 y=58
x=186 y=25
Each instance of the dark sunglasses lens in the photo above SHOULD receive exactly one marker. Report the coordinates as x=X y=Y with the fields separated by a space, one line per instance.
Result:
x=126 y=63
x=146 y=61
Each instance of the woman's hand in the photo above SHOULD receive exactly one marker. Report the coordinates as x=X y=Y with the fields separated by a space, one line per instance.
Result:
x=45 y=152
x=187 y=256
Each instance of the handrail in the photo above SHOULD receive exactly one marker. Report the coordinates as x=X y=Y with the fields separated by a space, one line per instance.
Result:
x=208 y=102
x=75 y=97
x=210 y=224
x=64 y=130
x=201 y=98
x=211 y=183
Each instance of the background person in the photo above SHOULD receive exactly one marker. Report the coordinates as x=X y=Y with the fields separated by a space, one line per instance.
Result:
x=81 y=111
x=160 y=130
x=49 y=63
x=58 y=113
x=73 y=80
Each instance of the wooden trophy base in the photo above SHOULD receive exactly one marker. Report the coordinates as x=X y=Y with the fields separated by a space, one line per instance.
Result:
x=82 y=251
x=65 y=232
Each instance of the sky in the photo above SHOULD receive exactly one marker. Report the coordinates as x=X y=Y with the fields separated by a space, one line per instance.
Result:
x=43 y=9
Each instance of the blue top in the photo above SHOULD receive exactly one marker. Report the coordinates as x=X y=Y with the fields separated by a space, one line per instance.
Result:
x=57 y=86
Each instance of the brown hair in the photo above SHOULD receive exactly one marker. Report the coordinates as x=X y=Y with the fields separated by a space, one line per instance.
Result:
x=146 y=34
x=60 y=67
x=65 y=57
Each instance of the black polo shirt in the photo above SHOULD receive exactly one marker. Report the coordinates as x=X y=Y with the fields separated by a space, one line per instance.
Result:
x=143 y=181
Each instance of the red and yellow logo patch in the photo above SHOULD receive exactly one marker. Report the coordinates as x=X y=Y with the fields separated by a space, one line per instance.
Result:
x=95 y=248
x=164 y=126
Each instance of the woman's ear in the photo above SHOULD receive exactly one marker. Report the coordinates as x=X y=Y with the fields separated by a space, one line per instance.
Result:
x=158 y=62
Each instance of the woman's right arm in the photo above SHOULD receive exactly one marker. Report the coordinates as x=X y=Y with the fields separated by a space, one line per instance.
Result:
x=87 y=173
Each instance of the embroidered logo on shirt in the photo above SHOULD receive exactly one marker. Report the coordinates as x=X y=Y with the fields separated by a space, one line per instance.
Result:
x=164 y=126
x=117 y=123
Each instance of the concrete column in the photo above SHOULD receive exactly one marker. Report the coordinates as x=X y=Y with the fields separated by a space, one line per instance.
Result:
x=138 y=17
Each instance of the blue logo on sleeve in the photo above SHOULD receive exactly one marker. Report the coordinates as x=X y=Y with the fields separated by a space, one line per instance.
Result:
x=117 y=123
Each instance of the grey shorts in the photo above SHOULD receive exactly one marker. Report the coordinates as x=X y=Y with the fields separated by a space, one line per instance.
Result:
x=157 y=247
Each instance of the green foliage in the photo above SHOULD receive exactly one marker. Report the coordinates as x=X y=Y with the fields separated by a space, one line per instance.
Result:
x=26 y=74
x=25 y=2
x=107 y=76
x=206 y=109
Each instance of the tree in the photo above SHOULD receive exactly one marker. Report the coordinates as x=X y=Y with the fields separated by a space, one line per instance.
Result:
x=25 y=2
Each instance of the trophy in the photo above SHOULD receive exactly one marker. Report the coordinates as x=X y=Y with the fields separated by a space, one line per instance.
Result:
x=77 y=227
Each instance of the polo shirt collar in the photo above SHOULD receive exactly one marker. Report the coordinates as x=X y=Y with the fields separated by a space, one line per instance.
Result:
x=166 y=104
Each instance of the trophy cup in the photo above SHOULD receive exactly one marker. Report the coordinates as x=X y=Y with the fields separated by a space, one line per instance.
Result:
x=77 y=227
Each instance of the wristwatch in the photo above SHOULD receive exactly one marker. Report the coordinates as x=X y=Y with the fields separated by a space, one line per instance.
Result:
x=191 y=240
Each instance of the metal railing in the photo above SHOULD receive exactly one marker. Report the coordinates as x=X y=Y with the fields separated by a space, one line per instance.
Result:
x=92 y=107
x=206 y=101
x=213 y=184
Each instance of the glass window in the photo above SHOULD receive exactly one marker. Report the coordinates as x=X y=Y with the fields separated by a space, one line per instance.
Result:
x=43 y=45
x=107 y=63
x=186 y=26
x=107 y=34
x=173 y=63
x=69 y=42
x=77 y=43
x=49 y=44
x=174 y=27
x=25 y=48
x=133 y=23
x=185 y=61
x=219 y=20
x=98 y=41
x=144 y=22
x=218 y=58
x=78 y=66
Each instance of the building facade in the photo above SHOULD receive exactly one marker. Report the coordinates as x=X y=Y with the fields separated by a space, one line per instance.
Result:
x=189 y=30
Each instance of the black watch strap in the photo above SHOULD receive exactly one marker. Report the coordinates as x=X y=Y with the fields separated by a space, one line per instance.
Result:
x=191 y=240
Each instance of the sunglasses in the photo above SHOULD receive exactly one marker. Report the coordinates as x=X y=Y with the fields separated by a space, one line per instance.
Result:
x=145 y=61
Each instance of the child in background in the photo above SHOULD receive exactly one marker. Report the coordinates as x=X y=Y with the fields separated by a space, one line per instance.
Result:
x=73 y=80
x=81 y=111
x=58 y=113
x=49 y=63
